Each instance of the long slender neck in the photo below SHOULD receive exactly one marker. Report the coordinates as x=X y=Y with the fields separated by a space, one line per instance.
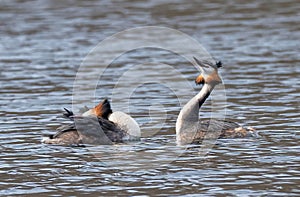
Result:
x=190 y=112
x=188 y=118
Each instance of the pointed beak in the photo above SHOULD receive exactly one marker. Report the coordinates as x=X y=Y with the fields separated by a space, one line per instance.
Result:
x=200 y=63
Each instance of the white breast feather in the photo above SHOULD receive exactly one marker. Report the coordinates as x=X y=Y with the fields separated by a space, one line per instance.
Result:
x=126 y=123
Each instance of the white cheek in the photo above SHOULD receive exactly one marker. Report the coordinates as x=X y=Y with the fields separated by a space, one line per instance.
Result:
x=89 y=113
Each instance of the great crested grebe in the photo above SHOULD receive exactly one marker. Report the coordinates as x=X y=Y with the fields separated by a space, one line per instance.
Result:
x=98 y=125
x=188 y=127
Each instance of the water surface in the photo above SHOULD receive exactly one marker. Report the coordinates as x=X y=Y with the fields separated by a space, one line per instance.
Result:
x=42 y=44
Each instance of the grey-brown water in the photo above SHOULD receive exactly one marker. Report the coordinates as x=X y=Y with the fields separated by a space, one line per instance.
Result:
x=43 y=44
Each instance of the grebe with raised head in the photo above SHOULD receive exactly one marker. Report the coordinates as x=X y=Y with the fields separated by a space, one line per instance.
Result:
x=188 y=127
x=98 y=125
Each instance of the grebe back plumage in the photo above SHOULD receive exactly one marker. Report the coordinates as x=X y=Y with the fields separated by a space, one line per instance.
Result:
x=96 y=126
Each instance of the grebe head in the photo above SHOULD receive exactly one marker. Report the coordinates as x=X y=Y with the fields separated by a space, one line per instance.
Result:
x=103 y=110
x=209 y=72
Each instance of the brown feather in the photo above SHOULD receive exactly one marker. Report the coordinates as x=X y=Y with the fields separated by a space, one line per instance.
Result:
x=87 y=130
x=200 y=80
x=103 y=109
x=214 y=129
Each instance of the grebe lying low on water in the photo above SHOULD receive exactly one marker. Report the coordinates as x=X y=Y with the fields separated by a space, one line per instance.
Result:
x=188 y=127
x=98 y=125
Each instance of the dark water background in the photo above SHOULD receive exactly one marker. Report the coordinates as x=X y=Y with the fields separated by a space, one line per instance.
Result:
x=42 y=44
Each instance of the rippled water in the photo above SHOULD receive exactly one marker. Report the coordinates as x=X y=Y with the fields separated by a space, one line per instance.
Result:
x=42 y=44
